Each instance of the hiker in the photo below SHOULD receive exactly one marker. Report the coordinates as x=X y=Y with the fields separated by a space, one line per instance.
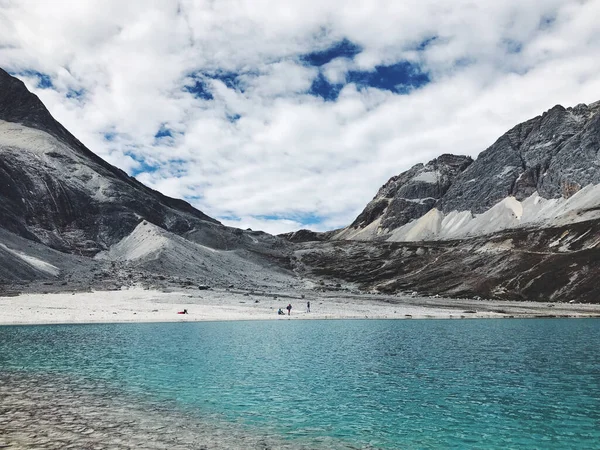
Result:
x=182 y=312
x=280 y=312
x=307 y=307
x=289 y=308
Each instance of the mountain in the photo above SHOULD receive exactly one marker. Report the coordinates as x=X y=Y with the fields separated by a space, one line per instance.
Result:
x=554 y=264
x=541 y=173
x=521 y=222
x=59 y=193
x=56 y=194
x=407 y=196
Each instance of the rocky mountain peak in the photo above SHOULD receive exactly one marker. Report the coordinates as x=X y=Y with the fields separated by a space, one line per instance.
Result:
x=542 y=161
x=18 y=105
x=412 y=193
x=552 y=154
x=56 y=191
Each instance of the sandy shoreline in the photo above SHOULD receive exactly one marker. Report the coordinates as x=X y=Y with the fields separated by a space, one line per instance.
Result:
x=140 y=305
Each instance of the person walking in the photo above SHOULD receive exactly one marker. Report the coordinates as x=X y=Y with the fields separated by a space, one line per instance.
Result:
x=307 y=307
x=289 y=308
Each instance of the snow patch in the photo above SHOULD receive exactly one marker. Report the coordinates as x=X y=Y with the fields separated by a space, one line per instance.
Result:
x=424 y=228
x=496 y=247
x=454 y=222
x=367 y=233
x=420 y=201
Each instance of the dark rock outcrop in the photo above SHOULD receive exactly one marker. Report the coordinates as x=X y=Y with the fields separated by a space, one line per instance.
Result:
x=18 y=105
x=412 y=193
x=554 y=154
x=307 y=236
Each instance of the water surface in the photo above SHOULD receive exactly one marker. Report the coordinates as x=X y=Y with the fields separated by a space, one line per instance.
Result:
x=307 y=384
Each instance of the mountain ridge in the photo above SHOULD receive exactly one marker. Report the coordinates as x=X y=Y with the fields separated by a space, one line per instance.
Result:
x=551 y=156
x=20 y=175
x=71 y=221
x=62 y=206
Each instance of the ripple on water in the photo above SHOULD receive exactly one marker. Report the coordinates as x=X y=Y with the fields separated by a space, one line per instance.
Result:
x=304 y=384
x=44 y=411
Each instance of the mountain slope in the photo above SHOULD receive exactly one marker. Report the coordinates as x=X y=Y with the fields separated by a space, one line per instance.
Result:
x=57 y=192
x=406 y=197
x=550 y=265
x=60 y=205
x=554 y=154
x=521 y=222
x=156 y=250
x=540 y=173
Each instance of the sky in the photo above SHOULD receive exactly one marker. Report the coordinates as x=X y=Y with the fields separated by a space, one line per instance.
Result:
x=281 y=115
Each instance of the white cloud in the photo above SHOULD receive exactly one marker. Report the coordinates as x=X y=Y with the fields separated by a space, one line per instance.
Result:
x=270 y=149
x=275 y=226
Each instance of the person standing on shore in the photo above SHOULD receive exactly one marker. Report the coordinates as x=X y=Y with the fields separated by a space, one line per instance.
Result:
x=307 y=307
x=289 y=308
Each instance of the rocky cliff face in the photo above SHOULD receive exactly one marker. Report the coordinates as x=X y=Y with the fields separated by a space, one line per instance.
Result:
x=554 y=154
x=407 y=196
x=526 y=177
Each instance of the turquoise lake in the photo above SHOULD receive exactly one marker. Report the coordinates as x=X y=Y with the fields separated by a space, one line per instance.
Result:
x=507 y=383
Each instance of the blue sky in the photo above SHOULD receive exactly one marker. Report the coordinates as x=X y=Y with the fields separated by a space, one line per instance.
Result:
x=283 y=115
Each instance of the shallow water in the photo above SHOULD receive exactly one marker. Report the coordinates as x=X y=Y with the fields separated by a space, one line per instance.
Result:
x=303 y=384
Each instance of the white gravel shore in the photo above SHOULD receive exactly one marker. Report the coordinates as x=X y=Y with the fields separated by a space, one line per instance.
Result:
x=140 y=305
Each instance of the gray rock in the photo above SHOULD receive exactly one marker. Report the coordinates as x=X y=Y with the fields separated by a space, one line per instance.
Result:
x=412 y=193
x=307 y=236
x=554 y=154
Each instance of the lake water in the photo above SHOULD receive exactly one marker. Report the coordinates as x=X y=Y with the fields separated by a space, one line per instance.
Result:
x=303 y=384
